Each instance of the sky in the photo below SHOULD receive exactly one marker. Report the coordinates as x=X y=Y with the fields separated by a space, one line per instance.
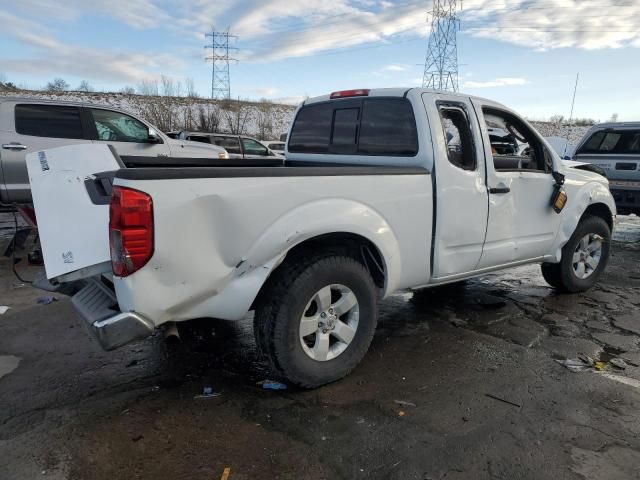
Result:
x=523 y=53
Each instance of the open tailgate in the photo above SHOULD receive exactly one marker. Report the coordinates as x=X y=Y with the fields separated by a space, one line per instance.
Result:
x=71 y=188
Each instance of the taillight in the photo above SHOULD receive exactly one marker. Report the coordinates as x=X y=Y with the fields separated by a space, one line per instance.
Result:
x=361 y=92
x=130 y=230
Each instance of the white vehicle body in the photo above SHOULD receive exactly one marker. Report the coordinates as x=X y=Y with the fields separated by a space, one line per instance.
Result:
x=92 y=127
x=276 y=146
x=219 y=233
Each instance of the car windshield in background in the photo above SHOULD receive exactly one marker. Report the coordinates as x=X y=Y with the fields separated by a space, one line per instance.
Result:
x=613 y=141
x=372 y=126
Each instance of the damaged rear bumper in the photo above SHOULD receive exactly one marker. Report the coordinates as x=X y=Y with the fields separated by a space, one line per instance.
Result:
x=98 y=307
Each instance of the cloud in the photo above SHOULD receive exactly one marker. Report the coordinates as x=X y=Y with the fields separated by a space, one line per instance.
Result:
x=138 y=14
x=585 y=24
x=52 y=57
x=395 y=68
x=498 y=82
x=266 y=91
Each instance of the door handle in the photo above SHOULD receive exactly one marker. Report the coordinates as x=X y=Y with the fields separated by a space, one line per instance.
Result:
x=14 y=146
x=500 y=190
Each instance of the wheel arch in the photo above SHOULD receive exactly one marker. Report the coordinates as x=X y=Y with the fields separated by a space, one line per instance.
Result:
x=592 y=198
x=599 y=210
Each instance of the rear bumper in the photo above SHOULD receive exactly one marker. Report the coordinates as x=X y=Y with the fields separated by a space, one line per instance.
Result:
x=98 y=307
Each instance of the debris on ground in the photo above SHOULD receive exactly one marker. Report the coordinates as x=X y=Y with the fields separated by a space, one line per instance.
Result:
x=207 y=392
x=576 y=364
x=503 y=400
x=618 y=363
x=404 y=403
x=401 y=413
x=3 y=309
x=46 y=300
x=225 y=473
x=272 y=385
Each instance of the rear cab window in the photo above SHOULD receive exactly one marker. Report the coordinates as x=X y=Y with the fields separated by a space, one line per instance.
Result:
x=53 y=121
x=624 y=142
x=364 y=126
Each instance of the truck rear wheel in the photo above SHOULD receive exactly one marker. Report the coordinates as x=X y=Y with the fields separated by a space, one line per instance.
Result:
x=316 y=318
x=584 y=257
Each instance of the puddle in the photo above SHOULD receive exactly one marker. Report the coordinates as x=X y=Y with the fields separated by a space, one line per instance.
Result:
x=8 y=363
x=627 y=229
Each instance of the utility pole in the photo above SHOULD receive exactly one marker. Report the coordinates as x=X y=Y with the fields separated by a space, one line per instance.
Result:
x=219 y=57
x=441 y=63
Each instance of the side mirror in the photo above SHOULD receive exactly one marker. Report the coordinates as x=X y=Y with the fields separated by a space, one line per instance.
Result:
x=153 y=136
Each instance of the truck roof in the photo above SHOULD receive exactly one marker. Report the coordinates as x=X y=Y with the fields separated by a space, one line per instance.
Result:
x=54 y=102
x=396 y=92
x=605 y=125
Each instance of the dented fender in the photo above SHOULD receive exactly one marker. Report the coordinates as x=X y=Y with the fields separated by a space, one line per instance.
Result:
x=581 y=196
x=322 y=217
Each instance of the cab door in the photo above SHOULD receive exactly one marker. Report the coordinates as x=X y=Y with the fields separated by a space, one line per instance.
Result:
x=460 y=194
x=522 y=225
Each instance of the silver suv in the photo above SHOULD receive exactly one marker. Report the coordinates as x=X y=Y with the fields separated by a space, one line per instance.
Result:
x=29 y=124
x=615 y=147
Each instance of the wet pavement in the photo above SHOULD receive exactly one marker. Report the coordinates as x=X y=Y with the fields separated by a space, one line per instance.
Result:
x=464 y=381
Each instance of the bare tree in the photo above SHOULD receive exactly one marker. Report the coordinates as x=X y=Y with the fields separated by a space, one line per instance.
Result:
x=128 y=90
x=264 y=119
x=190 y=88
x=149 y=88
x=614 y=117
x=236 y=115
x=209 y=118
x=85 y=87
x=57 y=85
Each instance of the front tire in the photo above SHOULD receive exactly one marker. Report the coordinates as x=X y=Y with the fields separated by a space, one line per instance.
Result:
x=584 y=257
x=316 y=319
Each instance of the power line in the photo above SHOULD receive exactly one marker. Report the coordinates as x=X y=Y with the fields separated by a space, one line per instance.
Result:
x=441 y=62
x=220 y=78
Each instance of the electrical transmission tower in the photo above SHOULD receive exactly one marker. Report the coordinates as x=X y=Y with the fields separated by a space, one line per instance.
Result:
x=220 y=79
x=441 y=63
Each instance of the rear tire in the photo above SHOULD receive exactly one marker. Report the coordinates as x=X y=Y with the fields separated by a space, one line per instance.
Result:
x=316 y=318
x=584 y=257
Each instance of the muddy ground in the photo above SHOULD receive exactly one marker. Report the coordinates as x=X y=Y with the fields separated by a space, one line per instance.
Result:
x=461 y=382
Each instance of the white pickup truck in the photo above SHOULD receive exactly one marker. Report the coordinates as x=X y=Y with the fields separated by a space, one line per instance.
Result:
x=382 y=190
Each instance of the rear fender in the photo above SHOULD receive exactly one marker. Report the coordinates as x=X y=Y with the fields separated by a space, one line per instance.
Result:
x=319 y=218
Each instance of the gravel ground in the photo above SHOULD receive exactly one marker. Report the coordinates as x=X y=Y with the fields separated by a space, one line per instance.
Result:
x=461 y=382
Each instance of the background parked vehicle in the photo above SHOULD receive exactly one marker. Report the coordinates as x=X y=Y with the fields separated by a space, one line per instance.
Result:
x=29 y=125
x=238 y=146
x=382 y=190
x=275 y=146
x=615 y=147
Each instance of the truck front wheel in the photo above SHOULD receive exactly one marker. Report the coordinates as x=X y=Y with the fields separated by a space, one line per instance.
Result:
x=316 y=318
x=584 y=257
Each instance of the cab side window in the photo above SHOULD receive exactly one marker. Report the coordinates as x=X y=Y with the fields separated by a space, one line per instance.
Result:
x=251 y=147
x=457 y=135
x=118 y=127
x=514 y=146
